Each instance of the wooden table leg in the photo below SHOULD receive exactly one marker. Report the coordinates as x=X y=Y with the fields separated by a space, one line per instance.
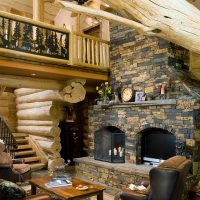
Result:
x=100 y=195
x=33 y=189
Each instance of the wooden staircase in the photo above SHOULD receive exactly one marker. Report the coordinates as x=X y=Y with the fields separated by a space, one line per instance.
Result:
x=26 y=152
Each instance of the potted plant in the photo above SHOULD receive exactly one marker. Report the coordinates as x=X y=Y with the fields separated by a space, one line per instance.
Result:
x=149 y=96
x=104 y=91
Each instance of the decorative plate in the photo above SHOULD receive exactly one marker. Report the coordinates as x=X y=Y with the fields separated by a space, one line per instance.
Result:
x=127 y=94
x=82 y=187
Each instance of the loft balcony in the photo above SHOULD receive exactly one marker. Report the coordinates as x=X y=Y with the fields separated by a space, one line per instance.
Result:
x=31 y=47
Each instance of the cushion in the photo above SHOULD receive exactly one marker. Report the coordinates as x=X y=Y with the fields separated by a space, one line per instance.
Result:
x=173 y=163
x=5 y=160
x=11 y=191
x=21 y=168
x=129 y=194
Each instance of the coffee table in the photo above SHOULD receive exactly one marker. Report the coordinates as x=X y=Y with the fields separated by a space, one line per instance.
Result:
x=68 y=192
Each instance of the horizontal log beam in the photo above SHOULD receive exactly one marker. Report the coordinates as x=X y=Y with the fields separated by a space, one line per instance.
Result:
x=103 y=14
x=37 y=83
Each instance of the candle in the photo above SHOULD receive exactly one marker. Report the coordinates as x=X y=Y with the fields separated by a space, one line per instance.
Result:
x=115 y=151
x=6 y=34
x=162 y=91
x=121 y=154
x=109 y=152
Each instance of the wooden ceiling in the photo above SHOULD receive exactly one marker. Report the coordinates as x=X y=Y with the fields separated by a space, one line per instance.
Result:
x=51 y=10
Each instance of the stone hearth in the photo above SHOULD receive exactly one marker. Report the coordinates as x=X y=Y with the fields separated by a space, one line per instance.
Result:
x=113 y=175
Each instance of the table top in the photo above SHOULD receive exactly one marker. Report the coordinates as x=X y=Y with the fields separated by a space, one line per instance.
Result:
x=68 y=192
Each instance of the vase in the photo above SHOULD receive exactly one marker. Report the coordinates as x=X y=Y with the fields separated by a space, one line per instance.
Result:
x=105 y=100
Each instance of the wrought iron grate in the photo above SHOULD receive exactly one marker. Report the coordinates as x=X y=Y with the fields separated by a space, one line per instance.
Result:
x=26 y=37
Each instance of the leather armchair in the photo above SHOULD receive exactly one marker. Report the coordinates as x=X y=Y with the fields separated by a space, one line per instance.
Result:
x=167 y=181
x=13 y=170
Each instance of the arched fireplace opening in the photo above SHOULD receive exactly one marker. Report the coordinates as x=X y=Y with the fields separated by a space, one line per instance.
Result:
x=157 y=145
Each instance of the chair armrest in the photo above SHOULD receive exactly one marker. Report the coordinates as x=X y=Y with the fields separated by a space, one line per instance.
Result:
x=18 y=161
x=131 y=195
x=145 y=183
x=39 y=197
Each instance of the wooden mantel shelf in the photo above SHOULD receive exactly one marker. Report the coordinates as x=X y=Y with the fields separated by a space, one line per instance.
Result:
x=162 y=102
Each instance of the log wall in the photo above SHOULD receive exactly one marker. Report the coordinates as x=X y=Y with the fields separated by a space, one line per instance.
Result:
x=38 y=115
x=8 y=109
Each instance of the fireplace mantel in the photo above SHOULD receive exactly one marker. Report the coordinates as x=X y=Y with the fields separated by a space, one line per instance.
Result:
x=161 y=102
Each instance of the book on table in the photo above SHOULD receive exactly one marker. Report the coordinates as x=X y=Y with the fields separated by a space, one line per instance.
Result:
x=58 y=183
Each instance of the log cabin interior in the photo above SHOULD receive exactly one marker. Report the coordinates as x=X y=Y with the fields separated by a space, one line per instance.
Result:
x=107 y=89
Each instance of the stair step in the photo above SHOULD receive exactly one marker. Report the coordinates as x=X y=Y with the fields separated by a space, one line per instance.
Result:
x=31 y=159
x=24 y=153
x=23 y=147
x=17 y=135
x=19 y=141
x=37 y=166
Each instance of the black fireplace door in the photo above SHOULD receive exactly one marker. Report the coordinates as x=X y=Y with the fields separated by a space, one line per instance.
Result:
x=109 y=145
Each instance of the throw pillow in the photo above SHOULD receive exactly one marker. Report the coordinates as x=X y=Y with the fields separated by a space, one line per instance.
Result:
x=11 y=191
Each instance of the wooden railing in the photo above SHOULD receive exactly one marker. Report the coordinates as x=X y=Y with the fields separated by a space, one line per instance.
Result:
x=41 y=41
x=90 y=51
x=25 y=35
x=7 y=137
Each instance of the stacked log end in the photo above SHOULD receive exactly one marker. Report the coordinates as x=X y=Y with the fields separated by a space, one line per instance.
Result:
x=38 y=114
x=8 y=109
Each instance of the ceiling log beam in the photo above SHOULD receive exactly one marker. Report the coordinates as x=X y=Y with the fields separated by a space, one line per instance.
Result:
x=176 y=21
x=103 y=14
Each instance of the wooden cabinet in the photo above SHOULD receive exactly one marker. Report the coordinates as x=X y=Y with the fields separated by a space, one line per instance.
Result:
x=71 y=140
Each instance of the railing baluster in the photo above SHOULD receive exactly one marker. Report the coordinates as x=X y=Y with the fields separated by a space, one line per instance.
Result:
x=97 y=53
x=92 y=52
x=76 y=50
x=104 y=55
x=101 y=55
x=84 y=50
x=107 y=55
x=88 y=52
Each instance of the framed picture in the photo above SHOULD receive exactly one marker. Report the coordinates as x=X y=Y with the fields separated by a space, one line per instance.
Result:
x=139 y=96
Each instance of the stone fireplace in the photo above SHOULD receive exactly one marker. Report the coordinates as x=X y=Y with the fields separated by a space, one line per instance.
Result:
x=139 y=119
x=144 y=64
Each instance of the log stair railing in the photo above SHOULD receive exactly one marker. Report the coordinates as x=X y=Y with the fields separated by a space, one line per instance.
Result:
x=7 y=136
x=27 y=152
